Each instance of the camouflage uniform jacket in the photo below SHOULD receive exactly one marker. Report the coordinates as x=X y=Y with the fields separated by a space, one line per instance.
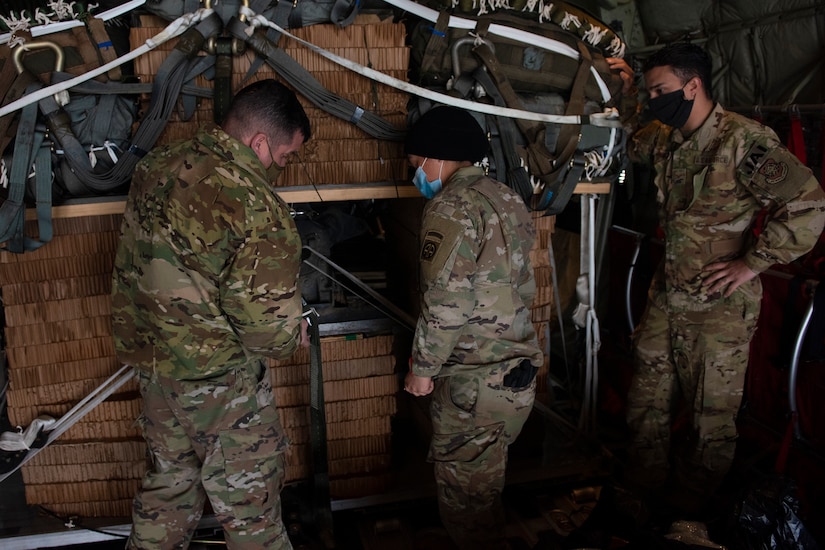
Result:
x=206 y=272
x=477 y=279
x=711 y=188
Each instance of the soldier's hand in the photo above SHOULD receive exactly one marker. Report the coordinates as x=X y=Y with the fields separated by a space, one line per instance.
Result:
x=727 y=275
x=418 y=385
x=304 y=341
x=620 y=65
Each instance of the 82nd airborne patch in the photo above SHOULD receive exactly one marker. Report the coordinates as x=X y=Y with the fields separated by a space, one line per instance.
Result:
x=774 y=171
x=432 y=240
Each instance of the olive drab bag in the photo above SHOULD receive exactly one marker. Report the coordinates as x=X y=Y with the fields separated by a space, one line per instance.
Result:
x=48 y=148
x=543 y=162
x=83 y=141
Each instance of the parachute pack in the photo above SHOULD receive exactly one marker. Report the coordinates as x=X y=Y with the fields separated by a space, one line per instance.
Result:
x=534 y=57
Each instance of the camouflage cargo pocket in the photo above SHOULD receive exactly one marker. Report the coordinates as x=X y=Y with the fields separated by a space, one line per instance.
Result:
x=252 y=460
x=464 y=446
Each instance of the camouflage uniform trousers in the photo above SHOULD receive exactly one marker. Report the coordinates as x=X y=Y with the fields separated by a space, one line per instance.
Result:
x=475 y=419
x=219 y=438
x=700 y=357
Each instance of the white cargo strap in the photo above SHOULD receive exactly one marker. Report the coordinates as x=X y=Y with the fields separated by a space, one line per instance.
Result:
x=609 y=118
x=56 y=429
x=57 y=26
x=174 y=29
x=22 y=440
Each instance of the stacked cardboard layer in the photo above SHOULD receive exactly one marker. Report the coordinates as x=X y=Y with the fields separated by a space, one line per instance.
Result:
x=359 y=396
x=60 y=348
x=543 y=303
x=339 y=152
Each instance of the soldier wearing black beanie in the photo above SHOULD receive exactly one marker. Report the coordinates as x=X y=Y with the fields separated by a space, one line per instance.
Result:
x=447 y=133
x=475 y=347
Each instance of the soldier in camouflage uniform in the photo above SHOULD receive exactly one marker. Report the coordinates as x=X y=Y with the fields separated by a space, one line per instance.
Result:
x=475 y=347
x=715 y=171
x=205 y=287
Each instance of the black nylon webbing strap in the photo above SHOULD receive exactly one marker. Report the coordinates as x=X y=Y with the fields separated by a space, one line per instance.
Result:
x=539 y=159
x=496 y=149
x=343 y=12
x=278 y=15
x=28 y=147
x=188 y=102
x=105 y=48
x=557 y=186
x=561 y=170
x=513 y=173
x=223 y=78
x=554 y=198
x=437 y=44
x=12 y=210
x=307 y=85
x=16 y=90
x=569 y=134
x=43 y=195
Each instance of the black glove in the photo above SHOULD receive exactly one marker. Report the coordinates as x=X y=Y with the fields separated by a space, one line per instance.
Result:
x=521 y=376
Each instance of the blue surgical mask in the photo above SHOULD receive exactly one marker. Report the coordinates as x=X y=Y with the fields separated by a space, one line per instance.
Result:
x=426 y=187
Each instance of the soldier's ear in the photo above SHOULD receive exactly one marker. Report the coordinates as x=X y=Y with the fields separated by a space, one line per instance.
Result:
x=258 y=142
x=693 y=87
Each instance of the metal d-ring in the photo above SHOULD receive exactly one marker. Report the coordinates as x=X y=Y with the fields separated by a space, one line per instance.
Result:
x=59 y=58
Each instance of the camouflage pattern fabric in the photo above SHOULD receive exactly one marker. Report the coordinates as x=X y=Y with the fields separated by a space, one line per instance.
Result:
x=204 y=286
x=700 y=357
x=711 y=186
x=475 y=418
x=230 y=451
x=477 y=279
x=475 y=328
x=207 y=267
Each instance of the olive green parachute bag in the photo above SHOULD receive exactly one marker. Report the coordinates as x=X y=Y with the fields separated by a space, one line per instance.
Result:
x=562 y=70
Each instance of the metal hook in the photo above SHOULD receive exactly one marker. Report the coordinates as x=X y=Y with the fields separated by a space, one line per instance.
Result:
x=59 y=58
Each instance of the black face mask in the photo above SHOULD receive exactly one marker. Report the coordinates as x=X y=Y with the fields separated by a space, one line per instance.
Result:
x=671 y=108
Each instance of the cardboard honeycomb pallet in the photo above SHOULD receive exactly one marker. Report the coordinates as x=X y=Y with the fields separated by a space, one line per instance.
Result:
x=339 y=152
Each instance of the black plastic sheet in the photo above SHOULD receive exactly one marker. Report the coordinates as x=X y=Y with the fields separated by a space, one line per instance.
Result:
x=768 y=519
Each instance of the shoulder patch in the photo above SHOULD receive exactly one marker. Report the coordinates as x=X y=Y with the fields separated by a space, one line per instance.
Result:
x=780 y=175
x=432 y=241
x=441 y=237
x=774 y=171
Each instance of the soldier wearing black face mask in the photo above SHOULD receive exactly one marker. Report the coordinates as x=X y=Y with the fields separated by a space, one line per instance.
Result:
x=714 y=172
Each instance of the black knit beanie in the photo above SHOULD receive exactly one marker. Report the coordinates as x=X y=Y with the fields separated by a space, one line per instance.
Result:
x=447 y=133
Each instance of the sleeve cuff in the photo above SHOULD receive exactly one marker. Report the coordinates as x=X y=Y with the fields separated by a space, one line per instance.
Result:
x=425 y=371
x=756 y=263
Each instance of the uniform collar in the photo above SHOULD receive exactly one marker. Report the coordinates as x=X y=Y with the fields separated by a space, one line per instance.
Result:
x=467 y=172
x=703 y=135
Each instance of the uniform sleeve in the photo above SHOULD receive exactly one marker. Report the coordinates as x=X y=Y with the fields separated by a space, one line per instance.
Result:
x=448 y=265
x=794 y=200
x=260 y=293
x=645 y=140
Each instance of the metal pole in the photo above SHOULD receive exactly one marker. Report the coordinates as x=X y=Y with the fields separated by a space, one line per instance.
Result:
x=794 y=371
x=322 y=506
